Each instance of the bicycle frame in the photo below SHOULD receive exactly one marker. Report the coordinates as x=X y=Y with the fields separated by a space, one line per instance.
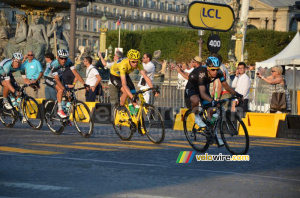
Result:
x=137 y=118
x=23 y=102
x=73 y=100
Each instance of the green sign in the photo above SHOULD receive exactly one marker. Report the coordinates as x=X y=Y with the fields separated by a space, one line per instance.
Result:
x=210 y=16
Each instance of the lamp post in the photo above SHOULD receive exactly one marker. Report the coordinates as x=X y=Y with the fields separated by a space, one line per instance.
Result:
x=95 y=48
x=246 y=56
x=170 y=61
x=200 y=34
x=231 y=59
x=110 y=52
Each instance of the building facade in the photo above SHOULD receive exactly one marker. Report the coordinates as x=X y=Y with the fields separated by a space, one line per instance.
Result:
x=148 y=14
x=134 y=15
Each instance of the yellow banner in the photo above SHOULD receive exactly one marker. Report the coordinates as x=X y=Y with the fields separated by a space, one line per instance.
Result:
x=210 y=16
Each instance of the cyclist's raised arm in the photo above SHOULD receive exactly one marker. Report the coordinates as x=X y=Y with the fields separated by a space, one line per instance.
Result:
x=124 y=86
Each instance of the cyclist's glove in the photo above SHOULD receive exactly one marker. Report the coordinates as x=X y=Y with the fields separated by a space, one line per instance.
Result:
x=239 y=96
x=214 y=103
x=156 y=90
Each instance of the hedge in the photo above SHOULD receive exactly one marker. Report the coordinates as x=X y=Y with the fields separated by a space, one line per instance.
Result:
x=182 y=44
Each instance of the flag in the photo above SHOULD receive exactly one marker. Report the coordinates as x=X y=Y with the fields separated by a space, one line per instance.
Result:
x=119 y=22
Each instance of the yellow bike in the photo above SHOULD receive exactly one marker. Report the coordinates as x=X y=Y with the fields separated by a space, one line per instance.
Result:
x=147 y=120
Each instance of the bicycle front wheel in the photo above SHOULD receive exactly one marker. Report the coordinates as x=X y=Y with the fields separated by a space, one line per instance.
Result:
x=196 y=137
x=122 y=122
x=82 y=119
x=153 y=124
x=234 y=134
x=32 y=113
x=52 y=119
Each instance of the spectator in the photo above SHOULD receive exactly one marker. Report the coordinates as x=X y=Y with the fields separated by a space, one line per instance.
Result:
x=241 y=83
x=92 y=79
x=195 y=63
x=277 y=85
x=182 y=81
x=113 y=91
x=50 y=92
x=150 y=69
x=33 y=68
x=218 y=91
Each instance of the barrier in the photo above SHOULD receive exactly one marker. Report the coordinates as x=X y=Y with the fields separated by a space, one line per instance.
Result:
x=178 y=124
x=82 y=112
x=103 y=114
x=263 y=124
x=289 y=128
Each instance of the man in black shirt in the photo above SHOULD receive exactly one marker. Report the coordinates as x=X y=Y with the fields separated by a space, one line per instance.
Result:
x=197 y=88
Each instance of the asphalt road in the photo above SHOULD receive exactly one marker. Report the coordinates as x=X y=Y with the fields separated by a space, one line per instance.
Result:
x=41 y=164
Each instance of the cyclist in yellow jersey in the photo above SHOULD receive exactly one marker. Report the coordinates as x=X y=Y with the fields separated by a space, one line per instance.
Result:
x=119 y=75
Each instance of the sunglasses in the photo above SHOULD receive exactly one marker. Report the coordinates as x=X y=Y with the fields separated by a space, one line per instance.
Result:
x=63 y=58
x=273 y=71
x=134 y=61
x=29 y=54
x=214 y=69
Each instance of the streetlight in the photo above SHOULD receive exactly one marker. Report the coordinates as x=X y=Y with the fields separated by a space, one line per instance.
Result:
x=200 y=34
x=231 y=59
x=110 y=52
x=170 y=70
x=246 y=56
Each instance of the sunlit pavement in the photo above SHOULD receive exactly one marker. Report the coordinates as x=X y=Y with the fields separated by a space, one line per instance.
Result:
x=41 y=164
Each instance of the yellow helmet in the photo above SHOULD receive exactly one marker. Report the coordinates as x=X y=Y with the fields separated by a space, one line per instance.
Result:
x=133 y=55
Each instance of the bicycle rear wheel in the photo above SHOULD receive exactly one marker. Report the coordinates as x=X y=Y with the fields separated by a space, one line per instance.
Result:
x=82 y=119
x=32 y=113
x=8 y=117
x=122 y=122
x=153 y=124
x=53 y=120
x=196 y=137
x=234 y=134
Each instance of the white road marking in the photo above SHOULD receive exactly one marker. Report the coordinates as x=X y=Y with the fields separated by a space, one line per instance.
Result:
x=33 y=186
x=151 y=165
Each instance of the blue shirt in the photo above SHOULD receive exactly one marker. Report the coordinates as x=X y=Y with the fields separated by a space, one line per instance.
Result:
x=7 y=69
x=33 y=69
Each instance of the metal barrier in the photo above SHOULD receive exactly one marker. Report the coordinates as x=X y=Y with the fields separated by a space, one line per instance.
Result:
x=170 y=96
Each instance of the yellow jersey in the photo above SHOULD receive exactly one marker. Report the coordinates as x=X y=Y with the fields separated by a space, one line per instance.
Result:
x=122 y=68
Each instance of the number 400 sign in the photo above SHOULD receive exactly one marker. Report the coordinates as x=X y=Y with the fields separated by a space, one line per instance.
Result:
x=214 y=43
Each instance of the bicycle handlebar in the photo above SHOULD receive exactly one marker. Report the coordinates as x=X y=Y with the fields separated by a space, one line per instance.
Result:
x=156 y=88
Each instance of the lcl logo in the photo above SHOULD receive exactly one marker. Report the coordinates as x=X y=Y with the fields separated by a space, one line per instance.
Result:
x=210 y=16
x=211 y=13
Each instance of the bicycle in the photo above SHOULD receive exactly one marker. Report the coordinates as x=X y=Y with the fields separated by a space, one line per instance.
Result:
x=147 y=120
x=28 y=111
x=232 y=129
x=80 y=115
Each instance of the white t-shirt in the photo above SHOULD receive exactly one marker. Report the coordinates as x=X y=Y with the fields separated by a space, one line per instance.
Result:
x=242 y=84
x=91 y=74
x=181 y=83
x=150 y=69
